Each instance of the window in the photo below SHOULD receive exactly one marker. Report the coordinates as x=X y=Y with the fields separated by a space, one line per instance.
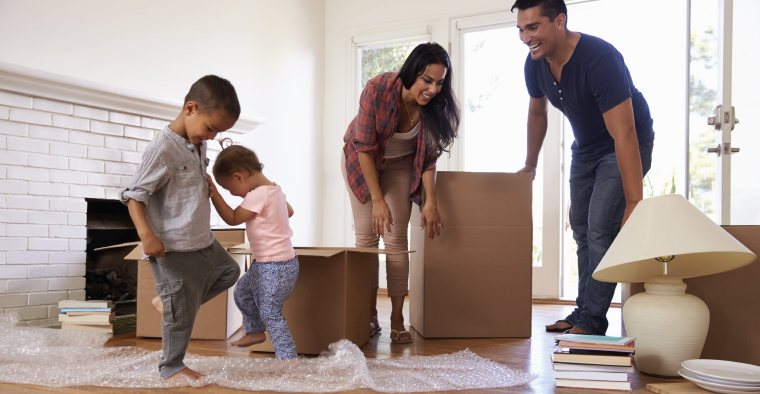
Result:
x=375 y=59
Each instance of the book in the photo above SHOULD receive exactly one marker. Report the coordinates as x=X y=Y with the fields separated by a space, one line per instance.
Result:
x=84 y=304
x=87 y=313
x=88 y=327
x=605 y=376
x=87 y=319
x=594 y=384
x=67 y=310
x=591 y=368
x=631 y=347
x=596 y=352
x=594 y=339
x=561 y=356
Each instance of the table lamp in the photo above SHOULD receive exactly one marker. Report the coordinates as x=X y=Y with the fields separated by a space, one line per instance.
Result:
x=666 y=239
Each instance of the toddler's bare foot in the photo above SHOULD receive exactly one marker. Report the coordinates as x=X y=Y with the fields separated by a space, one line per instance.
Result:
x=185 y=375
x=250 y=339
x=157 y=304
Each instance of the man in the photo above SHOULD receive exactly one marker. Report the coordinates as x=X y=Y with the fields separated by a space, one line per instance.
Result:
x=586 y=78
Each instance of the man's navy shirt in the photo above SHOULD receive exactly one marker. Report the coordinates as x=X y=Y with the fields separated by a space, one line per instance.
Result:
x=593 y=81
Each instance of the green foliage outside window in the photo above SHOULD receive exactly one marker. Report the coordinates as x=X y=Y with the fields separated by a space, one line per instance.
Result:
x=378 y=60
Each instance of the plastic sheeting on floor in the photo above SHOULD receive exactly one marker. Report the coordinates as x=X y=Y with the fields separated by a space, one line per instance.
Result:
x=51 y=357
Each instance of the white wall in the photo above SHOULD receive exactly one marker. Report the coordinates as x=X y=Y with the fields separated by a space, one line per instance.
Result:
x=344 y=19
x=273 y=52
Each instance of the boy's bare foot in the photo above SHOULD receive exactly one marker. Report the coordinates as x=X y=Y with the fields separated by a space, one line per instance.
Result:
x=185 y=375
x=157 y=304
x=250 y=339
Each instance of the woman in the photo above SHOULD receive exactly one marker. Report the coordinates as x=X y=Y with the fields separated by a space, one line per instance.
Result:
x=406 y=121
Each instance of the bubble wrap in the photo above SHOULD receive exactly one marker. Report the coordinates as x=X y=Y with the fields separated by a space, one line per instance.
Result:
x=50 y=357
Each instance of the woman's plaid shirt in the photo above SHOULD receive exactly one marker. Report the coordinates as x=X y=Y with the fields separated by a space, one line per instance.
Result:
x=372 y=129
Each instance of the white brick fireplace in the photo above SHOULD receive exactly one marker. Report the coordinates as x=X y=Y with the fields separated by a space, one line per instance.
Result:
x=63 y=140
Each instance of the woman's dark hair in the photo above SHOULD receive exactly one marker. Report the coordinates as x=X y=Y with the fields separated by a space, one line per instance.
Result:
x=213 y=93
x=236 y=158
x=549 y=8
x=441 y=115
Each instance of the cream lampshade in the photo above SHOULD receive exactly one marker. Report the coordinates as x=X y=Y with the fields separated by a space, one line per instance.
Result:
x=666 y=239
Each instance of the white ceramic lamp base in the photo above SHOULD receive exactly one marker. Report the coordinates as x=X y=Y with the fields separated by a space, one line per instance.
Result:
x=670 y=326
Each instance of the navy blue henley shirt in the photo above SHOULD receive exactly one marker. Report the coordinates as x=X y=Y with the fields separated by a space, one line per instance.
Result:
x=593 y=81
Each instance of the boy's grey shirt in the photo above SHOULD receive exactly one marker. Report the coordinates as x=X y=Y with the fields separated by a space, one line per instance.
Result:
x=171 y=183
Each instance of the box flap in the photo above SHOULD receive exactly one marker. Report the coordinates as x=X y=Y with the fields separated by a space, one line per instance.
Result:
x=318 y=252
x=460 y=198
x=241 y=246
x=241 y=252
x=362 y=250
x=136 y=253
x=121 y=245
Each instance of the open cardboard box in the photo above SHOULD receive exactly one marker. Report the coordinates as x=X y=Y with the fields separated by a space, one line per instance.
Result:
x=475 y=280
x=216 y=319
x=331 y=299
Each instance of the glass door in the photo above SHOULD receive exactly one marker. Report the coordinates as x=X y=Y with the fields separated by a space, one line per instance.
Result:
x=740 y=93
x=725 y=89
x=488 y=60
x=660 y=73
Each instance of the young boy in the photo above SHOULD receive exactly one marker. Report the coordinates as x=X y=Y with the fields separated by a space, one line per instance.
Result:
x=168 y=201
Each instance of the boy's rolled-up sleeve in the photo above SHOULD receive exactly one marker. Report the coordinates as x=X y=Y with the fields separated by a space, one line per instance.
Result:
x=365 y=137
x=151 y=175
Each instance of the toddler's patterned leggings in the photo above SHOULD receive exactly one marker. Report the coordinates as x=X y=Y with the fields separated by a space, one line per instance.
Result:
x=259 y=295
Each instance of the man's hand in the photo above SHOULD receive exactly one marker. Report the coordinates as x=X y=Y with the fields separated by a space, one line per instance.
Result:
x=152 y=246
x=629 y=207
x=530 y=169
x=212 y=192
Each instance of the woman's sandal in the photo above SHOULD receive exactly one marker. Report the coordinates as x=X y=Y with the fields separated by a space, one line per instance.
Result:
x=374 y=330
x=398 y=335
x=560 y=329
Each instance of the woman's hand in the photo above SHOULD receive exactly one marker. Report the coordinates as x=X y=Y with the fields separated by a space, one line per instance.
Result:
x=381 y=217
x=152 y=246
x=432 y=220
x=212 y=192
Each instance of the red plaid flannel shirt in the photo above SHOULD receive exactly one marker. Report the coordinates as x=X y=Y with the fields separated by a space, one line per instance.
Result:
x=372 y=129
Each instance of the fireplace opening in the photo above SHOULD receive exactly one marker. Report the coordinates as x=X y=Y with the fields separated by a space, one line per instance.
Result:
x=109 y=276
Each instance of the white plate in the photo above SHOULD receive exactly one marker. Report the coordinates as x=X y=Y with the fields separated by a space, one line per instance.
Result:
x=712 y=385
x=723 y=391
x=727 y=371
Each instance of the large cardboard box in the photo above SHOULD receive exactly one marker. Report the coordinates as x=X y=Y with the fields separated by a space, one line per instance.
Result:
x=474 y=280
x=216 y=319
x=331 y=299
x=733 y=298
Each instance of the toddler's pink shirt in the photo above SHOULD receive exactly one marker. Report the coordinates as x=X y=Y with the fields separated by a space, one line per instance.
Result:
x=269 y=231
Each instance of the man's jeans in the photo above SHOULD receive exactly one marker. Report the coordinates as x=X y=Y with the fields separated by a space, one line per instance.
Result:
x=597 y=205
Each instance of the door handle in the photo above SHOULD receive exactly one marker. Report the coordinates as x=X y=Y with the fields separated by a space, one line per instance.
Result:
x=727 y=149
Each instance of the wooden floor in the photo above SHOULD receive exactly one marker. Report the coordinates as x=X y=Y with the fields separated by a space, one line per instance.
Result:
x=531 y=354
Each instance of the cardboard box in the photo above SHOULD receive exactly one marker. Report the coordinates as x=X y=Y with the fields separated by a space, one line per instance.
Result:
x=331 y=299
x=474 y=281
x=733 y=299
x=216 y=319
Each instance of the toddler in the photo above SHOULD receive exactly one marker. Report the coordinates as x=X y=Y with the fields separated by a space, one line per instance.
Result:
x=261 y=292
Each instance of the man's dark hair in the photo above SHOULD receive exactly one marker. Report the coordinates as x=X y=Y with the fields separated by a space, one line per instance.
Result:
x=440 y=116
x=549 y=8
x=213 y=93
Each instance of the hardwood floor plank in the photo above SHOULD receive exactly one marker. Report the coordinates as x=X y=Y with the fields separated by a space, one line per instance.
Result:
x=531 y=354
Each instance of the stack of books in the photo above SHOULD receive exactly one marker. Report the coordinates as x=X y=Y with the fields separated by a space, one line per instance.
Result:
x=96 y=316
x=593 y=361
